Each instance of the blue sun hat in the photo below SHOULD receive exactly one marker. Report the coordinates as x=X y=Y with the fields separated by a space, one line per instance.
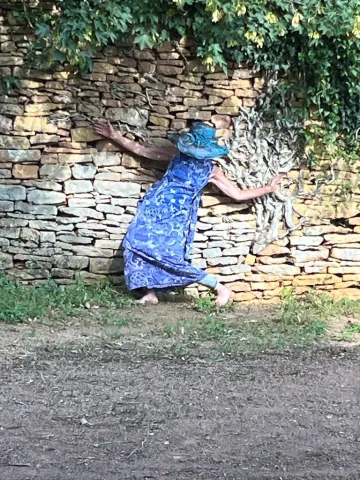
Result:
x=200 y=142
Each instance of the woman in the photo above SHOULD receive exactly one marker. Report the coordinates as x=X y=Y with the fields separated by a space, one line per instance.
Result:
x=158 y=243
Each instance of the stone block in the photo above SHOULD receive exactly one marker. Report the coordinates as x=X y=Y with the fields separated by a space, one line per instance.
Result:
x=240 y=250
x=106 y=265
x=41 y=197
x=232 y=101
x=70 y=262
x=43 y=225
x=84 y=134
x=227 y=110
x=316 y=279
x=38 y=109
x=81 y=202
x=44 y=210
x=147 y=67
x=15 y=143
x=348 y=293
x=159 y=121
x=244 y=297
x=34 y=124
x=117 y=189
x=11 y=109
x=112 y=244
x=62 y=273
x=212 y=253
x=30 y=235
x=86 y=250
x=6 y=206
x=221 y=121
x=195 y=115
x=195 y=102
x=218 y=92
x=102 y=67
x=222 y=261
x=12 y=192
x=6 y=261
x=349 y=254
x=12 y=222
x=75 y=239
x=83 y=212
x=239 y=286
x=272 y=260
x=5 y=173
x=47 y=237
x=280 y=270
x=169 y=70
x=106 y=159
x=339 y=239
x=130 y=116
x=109 y=176
x=42 y=138
x=306 y=256
x=56 y=172
x=25 y=171
x=18 y=156
x=78 y=186
x=72 y=158
x=264 y=285
x=308 y=241
x=5 y=125
x=10 y=232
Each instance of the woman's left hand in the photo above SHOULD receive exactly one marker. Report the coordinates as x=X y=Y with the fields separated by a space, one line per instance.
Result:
x=274 y=184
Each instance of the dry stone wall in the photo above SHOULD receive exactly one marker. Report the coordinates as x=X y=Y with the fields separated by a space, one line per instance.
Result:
x=68 y=196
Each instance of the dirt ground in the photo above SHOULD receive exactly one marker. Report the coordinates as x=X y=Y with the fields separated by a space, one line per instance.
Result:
x=79 y=402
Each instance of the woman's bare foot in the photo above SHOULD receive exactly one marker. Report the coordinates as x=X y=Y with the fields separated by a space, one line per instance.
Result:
x=149 y=297
x=224 y=295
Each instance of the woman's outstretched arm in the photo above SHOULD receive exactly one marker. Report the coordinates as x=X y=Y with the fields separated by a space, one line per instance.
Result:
x=233 y=191
x=163 y=154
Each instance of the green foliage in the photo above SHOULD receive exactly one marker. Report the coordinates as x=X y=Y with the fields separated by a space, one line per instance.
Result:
x=204 y=304
x=20 y=302
x=350 y=331
x=313 y=307
x=207 y=305
x=314 y=45
x=72 y=31
x=8 y=82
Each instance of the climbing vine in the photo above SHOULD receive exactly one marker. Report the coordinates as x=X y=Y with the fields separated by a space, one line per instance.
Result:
x=313 y=46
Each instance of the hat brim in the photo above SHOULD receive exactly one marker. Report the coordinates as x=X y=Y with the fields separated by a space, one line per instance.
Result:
x=210 y=151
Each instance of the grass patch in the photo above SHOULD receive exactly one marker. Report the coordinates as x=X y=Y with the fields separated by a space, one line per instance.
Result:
x=350 y=331
x=19 y=302
x=238 y=335
x=314 y=307
x=207 y=305
x=300 y=322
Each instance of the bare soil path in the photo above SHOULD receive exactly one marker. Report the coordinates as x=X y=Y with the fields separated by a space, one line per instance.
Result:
x=79 y=402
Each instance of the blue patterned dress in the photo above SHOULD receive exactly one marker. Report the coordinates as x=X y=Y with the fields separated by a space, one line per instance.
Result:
x=158 y=243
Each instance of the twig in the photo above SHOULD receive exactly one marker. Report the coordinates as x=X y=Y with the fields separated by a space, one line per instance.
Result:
x=150 y=76
x=147 y=97
x=137 y=449
x=178 y=50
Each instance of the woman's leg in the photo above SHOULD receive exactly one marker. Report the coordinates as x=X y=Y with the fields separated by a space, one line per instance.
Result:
x=149 y=297
x=224 y=294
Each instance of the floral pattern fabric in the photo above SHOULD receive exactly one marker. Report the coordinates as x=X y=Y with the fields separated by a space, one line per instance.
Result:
x=158 y=243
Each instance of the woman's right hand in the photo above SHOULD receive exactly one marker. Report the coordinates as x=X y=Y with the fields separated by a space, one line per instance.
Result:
x=275 y=183
x=105 y=130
